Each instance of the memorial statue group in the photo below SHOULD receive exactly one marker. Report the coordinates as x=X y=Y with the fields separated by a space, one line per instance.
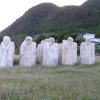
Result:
x=47 y=53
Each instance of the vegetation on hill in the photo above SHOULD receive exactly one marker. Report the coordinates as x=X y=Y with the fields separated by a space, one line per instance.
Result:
x=48 y=19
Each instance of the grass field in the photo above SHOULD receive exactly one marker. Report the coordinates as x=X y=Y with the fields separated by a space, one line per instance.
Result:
x=79 y=82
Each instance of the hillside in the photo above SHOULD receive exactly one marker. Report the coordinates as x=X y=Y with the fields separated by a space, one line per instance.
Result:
x=49 y=18
x=32 y=20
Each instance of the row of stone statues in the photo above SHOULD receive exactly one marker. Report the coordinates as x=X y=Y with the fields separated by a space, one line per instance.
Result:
x=47 y=53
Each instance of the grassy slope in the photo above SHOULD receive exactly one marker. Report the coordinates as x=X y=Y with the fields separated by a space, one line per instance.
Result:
x=79 y=82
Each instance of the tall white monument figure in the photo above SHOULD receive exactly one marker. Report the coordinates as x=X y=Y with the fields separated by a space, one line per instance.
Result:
x=40 y=52
x=40 y=46
x=50 y=53
x=7 y=50
x=28 y=52
x=87 y=52
x=69 y=52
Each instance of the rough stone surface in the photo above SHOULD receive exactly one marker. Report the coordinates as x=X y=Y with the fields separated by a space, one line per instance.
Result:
x=69 y=52
x=28 y=52
x=87 y=52
x=40 y=53
x=50 y=54
x=7 y=50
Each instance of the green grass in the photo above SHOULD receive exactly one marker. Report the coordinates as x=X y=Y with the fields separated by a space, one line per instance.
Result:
x=79 y=82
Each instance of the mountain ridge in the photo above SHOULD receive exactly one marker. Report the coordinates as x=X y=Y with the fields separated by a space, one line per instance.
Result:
x=49 y=18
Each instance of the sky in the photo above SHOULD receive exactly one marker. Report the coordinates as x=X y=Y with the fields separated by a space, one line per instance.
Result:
x=10 y=10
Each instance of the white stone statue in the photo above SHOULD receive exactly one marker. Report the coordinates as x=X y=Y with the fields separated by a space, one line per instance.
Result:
x=51 y=40
x=87 y=52
x=28 y=52
x=50 y=54
x=61 y=51
x=69 y=52
x=7 y=50
x=40 y=53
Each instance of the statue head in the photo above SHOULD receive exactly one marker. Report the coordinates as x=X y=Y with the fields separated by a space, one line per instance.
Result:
x=6 y=39
x=70 y=39
x=46 y=40
x=28 y=40
x=42 y=42
x=51 y=39
x=88 y=41
x=64 y=41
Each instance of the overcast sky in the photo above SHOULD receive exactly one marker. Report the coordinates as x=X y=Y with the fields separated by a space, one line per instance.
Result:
x=10 y=10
